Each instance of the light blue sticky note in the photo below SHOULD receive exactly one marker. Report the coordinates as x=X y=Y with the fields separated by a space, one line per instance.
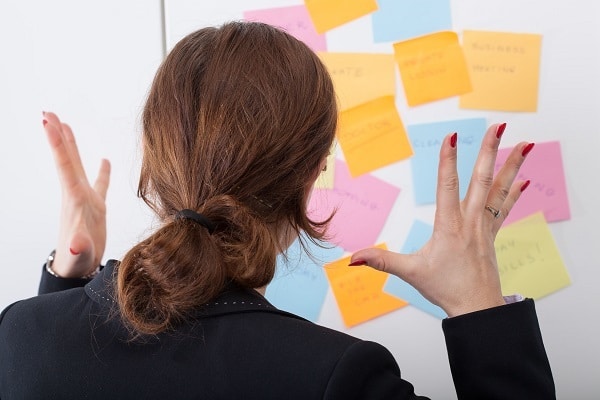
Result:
x=426 y=140
x=300 y=284
x=419 y=234
x=397 y=20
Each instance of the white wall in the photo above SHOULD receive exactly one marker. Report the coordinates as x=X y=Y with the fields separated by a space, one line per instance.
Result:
x=92 y=63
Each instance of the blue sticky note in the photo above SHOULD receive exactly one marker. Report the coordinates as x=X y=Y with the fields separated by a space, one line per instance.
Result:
x=419 y=234
x=397 y=20
x=426 y=140
x=300 y=284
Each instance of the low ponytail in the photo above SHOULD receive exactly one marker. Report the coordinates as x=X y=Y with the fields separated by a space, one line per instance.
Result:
x=182 y=266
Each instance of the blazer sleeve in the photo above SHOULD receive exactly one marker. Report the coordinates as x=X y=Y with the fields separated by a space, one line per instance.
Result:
x=50 y=283
x=367 y=370
x=498 y=353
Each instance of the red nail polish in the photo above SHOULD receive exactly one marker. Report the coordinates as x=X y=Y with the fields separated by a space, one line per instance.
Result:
x=527 y=149
x=73 y=252
x=524 y=186
x=44 y=121
x=500 y=130
x=453 y=139
x=357 y=263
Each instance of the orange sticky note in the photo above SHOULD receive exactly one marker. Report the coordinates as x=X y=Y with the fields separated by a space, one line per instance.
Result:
x=360 y=77
x=432 y=67
x=504 y=70
x=328 y=14
x=359 y=292
x=372 y=136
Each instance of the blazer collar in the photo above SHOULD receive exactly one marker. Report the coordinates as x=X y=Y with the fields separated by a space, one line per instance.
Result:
x=233 y=299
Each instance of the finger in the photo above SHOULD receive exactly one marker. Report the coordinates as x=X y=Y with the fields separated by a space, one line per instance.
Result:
x=401 y=265
x=506 y=175
x=483 y=172
x=62 y=159
x=71 y=145
x=515 y=192
x=103 y=179
x=447 y=195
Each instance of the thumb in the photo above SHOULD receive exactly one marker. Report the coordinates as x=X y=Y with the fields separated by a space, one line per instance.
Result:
x=397 y=264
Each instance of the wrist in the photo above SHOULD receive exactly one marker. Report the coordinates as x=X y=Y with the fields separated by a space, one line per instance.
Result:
x=51 y=271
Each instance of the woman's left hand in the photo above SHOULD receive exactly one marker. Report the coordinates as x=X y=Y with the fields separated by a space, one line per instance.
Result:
x=82 y=230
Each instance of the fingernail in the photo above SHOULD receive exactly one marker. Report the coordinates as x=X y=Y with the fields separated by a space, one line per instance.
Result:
x=500 y=130
x=73 y=252
x=524 y=186
x=453 y=139
x=44 y=121
x=527 y=149
x=357 y=263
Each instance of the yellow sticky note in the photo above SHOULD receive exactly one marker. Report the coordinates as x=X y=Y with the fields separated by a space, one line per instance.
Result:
x=328 y=14
x=504 y=69
x=325 y=179
x=432 y=67
x=358 y=291
x=528 y=259
x=372 y=136
x=360 y=77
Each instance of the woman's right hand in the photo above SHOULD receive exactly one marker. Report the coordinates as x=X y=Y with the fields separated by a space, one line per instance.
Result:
x=82 y=230
x=457 y=268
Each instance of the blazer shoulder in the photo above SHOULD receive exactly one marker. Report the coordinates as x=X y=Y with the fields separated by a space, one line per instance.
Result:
x=367 y=370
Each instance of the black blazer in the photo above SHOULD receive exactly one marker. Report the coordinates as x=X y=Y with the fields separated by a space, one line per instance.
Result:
x=71 y=345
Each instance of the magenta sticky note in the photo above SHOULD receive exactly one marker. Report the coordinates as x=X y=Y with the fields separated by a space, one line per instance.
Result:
x=294 y=20
x=547 y=191
x=363 y=206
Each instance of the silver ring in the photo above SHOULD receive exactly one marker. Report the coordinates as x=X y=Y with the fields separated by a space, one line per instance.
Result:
x=495 y=213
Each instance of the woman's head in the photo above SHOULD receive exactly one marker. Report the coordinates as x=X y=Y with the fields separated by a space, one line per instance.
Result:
x=237 y=123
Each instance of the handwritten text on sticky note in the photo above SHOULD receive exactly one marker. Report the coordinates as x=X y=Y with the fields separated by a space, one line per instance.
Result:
x=358 y=291
x=547 y=191
x=372 y=136
x=528 y=259
x=360 y=77
x=504 y=70
x=363 y=205
x=432 y=67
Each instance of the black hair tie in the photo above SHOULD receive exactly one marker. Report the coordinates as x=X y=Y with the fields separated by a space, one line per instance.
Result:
x=197 y=218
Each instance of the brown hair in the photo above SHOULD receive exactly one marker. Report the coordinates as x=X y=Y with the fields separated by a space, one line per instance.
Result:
x=236 y=124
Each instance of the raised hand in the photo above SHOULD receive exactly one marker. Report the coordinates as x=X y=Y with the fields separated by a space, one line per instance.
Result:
x=82 y=230
x=457 y=268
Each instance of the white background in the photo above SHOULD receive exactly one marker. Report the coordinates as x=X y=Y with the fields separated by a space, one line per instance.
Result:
x=92 y=63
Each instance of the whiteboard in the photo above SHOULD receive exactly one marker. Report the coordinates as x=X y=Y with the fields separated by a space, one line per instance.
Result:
x=93 y=64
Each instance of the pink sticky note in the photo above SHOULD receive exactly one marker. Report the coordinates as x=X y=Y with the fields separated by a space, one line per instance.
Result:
x=363 y=205
x=547 y=191
x=294 y=20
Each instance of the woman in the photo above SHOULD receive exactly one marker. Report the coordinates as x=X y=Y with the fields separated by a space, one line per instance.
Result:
x=236 y=129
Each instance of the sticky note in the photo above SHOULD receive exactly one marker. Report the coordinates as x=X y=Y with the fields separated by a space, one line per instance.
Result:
x=300 y=284
x=328 y=14
x=504 y=69
x=432 y=67
x=427 y=139
x=363 y=206
x=528 y=259
x=419 y=234
x=547 y=191
x=295 y=20
x=372 y=136
x=358 y=292
x=325 y=178
x=360 y=77
x=405 y=19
